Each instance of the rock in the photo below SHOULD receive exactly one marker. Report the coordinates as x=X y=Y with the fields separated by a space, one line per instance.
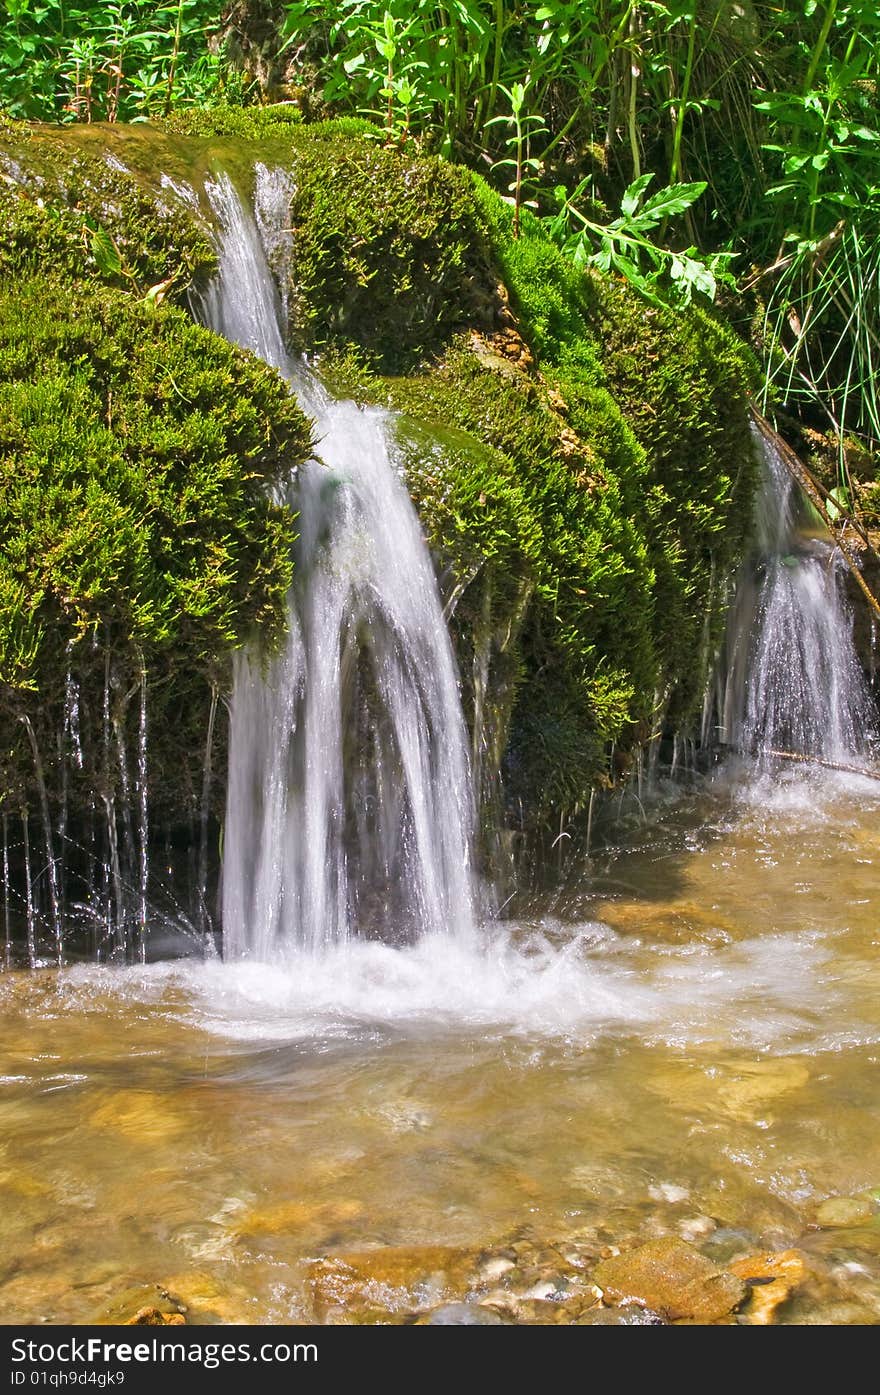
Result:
x=147 y=1305
x=727 y=1243
x=154 y=1317
x=668 y=1191
x=206 y=1300
x=371 y=1283
x=294 y=1216
x=143 y=1116
x=461 y=1315
x=843 y=1211
x=494 y=1268
x=694 y=1228
x=784 y=1272
x=631 y=1316
x=672 y=1278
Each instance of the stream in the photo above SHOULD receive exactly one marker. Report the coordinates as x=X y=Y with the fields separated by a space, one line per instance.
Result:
x=683 y=1041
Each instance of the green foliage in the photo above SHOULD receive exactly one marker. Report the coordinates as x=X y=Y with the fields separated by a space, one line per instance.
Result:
x=120 y=61
x=625 y=245
x=136 y=452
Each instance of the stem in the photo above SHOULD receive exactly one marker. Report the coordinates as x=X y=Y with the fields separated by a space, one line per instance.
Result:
x=632 y=126
x=675 y=162
x=175 y=52
x=496 y=61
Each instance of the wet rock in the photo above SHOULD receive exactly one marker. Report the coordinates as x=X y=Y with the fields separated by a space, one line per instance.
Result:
x=494 y=1268
x=694 y=1228
x=631 y=1316
x=370 y=1283
x=839 y=1243
x=771 y=1278
x=668 y=1191
x=516 y=1307
x=843 y=1314
x=146 y=1305
x=143 y=1116
x=843 y=1211
x=672 y=1278
x=155 y=1317
x=727 y=1243
x=461 y=1315
x=742 y=1090
x=291 y=1217
x=206 y=1300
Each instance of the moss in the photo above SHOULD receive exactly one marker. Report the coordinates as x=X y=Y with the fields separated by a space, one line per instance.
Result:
x=61 y=204
x=682 y=380
x=577 y=458
x=394 y=274
x=135 y=454
x=246 y=123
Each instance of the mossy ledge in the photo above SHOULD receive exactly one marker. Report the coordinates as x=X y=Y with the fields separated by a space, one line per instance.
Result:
x=579 y=459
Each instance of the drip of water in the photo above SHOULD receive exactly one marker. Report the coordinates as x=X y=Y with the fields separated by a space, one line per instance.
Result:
x=29 y=892
x=793 y=680
x=143 y=819
x=349 y=798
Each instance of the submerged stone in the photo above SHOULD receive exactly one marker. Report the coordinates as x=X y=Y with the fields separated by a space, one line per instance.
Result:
x=370 y=1283
x=843 y=1211
x=462 y=1315
x=771 y=1278
x=672 y=1278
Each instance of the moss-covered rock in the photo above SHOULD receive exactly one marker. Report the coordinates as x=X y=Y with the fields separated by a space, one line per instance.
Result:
x=600 y=466
x=578 y=458
x=136 y=455
x=82 y=215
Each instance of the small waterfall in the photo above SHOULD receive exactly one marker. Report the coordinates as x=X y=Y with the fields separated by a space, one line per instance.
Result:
x=793 y=682
x=349 y=804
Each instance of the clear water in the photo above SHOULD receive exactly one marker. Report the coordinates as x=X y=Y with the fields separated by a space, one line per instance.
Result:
x=685 y=1042
x=793 y=682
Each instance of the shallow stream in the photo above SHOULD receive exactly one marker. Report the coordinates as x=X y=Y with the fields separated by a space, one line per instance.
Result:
x=685 y=1042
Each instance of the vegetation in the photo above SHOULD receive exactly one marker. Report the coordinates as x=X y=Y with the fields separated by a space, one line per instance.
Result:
x=589 y=477
x=567 y=189
x=675 y=143
x=137 y=454
x=126 y=60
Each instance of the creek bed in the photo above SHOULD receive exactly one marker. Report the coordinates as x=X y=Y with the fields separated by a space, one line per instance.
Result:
x=684 y=1042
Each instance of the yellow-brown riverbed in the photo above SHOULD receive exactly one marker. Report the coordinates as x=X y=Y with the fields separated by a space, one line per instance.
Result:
x=684 y=1043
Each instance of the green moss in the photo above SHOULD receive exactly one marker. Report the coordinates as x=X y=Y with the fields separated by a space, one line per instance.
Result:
x=60 y=201
x=386 y=252
x=682 y=381
x=247 y=123
x=136 y=451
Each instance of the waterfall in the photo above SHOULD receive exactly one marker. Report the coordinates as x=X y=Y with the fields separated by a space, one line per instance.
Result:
x=793 y=682
x=349 y=807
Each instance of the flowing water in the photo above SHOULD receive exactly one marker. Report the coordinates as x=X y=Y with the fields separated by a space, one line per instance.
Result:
x=792 y=681
x=349 y=802
x=685 y=1042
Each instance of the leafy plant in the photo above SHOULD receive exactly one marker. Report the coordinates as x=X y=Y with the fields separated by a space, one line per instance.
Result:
x=624 y=245
x=523 y=126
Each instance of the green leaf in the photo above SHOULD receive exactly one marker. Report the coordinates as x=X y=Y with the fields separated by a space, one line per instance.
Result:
x=630 y=201
x=668 y=202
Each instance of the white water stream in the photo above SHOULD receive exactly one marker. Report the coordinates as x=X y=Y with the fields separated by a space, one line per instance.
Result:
x=349 y=801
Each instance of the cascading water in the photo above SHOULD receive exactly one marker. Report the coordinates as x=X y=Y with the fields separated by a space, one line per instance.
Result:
x=349 y=796
x=793 y=682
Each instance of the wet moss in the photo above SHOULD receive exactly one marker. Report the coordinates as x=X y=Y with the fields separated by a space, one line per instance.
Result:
x=602 y=469
x=76 y=213
x=137 y=451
